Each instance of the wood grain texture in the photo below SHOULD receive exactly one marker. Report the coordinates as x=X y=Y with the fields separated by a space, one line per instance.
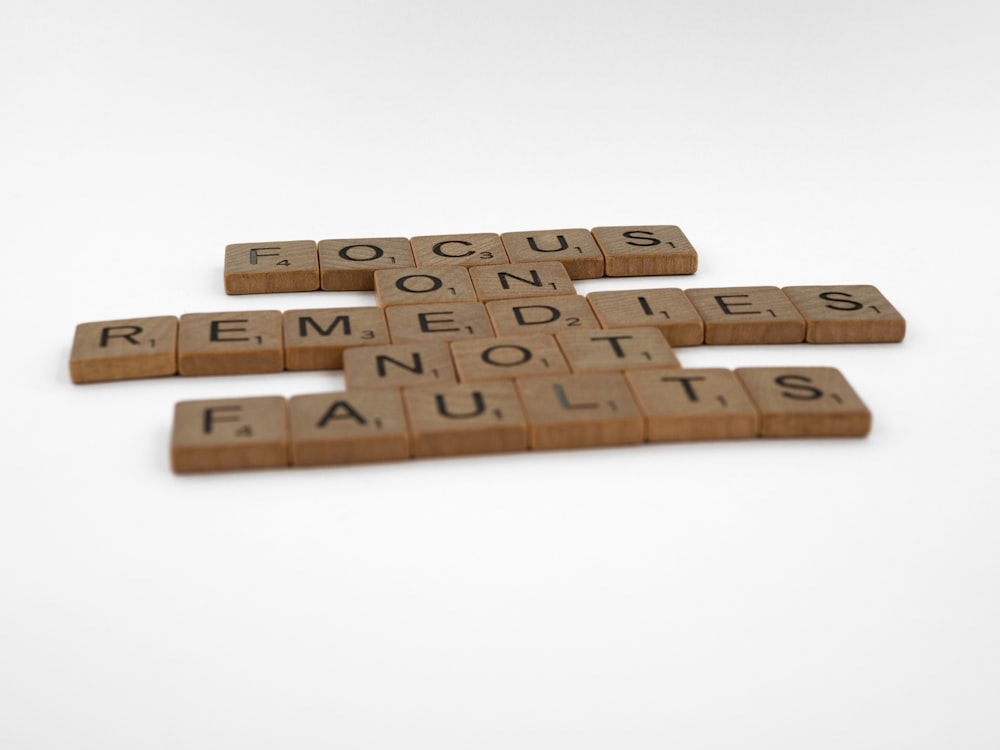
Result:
x=576 y=249
x=476 y=249
x=349 y=265
x=423 y=286
x=124 y=349
x=223 y=434
x=519 y=281
x=650 y=250
x=668 y=309
x=748 y=315
x=589 y=350
x=465 y=419
x=805 y=402
x=348 y=427
x=847 y=314
x=513 y=317
x=269 y=267
x=315 y=339
x=230 y=343
x=507 y=358
x=440 y=322
x=574 y=411
x=693 y=404
x=398 y=365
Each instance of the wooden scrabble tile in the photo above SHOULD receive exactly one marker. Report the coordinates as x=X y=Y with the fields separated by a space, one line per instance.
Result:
x=589 y=350
x=348 y=427
x=398 y=365
x=693 y=404
x=316 y=339
x=483 y=248
x=507 y=358
x=805 y=401
x=465 y=419
x=124 y=349
x=229 y=343
x=440 y=322
x=235 y=433
x=267 y=267
x=655 y=250
x=588 y=409
x=668 y=309
x=851 y=314
x=517 y=317
x=520 y=280
x=350 y=265
x=422 y=286
x=574 y=248
x=748 y=315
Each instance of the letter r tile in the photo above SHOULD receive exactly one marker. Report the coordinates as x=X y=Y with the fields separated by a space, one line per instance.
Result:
x=124 y=349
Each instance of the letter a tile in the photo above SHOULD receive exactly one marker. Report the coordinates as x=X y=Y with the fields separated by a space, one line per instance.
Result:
x=347 y=427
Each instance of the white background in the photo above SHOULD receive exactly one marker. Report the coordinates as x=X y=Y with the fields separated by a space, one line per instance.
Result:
x=771 y=594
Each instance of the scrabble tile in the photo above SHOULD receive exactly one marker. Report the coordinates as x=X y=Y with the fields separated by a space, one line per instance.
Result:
x=465 y=419
x=398 y=365
x=589 y=350
x=316 y=339
x=668 y=309
x=645 y=251
x=235 y=433
x=350 y=265
x=851 y=314
x=573 y=411
x=483 y=248
x=268 y=267
x=229 y=343
x=748 y=315
x=519 y=280
x=517 y=317
x=421 y=286
x=805 y=401
x=693 y=404
x=348 y=427
x=124 y=349
x=574 y=248
x=441 y=322
x=507 y=358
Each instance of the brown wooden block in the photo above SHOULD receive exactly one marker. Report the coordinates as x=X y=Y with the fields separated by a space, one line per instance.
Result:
x=350 y=265
x=574 y=248
x=348 y=427
x=422 y=286
x=518 y=317
x=520 y=280
x=693 y=404
x=398 y=365
x=268 y=267
x=572 y=411
x=230 y=343
x=465 y=419
x=441 y=322
x=805 y=402
x=507 y=358
x=477 y=249
x=748 y=315
x=654 y=250
x=668 y=309
x=589 y=350
x=316 y=339
x=124 y=349
x=850 y=314
x=235 y=433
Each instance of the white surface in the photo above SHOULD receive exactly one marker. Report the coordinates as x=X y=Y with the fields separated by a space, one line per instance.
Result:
x=772 y=594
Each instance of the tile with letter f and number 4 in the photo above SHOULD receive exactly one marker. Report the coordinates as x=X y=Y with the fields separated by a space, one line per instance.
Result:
x=236 y=433
x=851 y=314
x=268 y=267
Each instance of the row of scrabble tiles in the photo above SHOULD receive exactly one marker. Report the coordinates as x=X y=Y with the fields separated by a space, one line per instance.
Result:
x=350 y=264
x=531 y=413
x=261 y=341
